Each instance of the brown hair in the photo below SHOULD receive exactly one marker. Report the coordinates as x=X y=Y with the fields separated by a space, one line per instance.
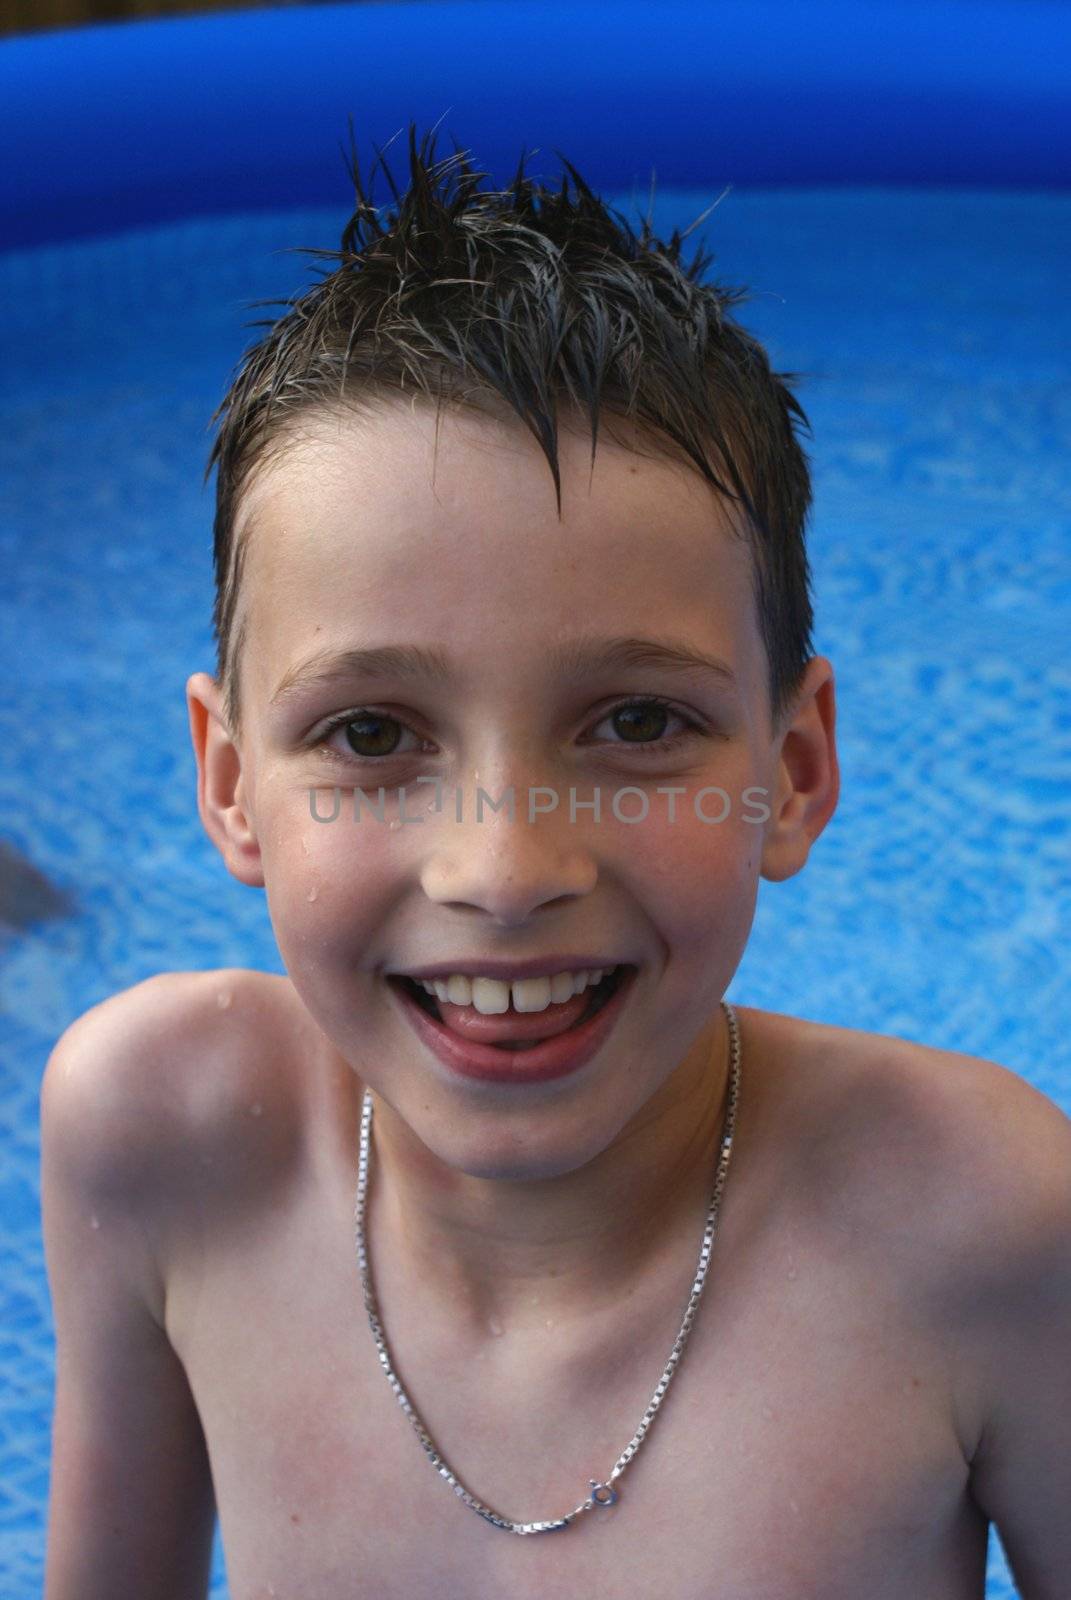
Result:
x=522 y=298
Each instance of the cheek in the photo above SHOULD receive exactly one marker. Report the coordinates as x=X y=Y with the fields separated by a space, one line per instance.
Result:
x=328 y=881
x=697 y=880
x=332 y=885
x=707 y=842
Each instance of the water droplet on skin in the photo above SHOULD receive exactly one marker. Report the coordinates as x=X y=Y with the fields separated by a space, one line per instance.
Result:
x=550 y=1322
x=493 y=1327
x=256 y=1109
x=94 y=1222
x=223 y=999
x=795 y=1507
x=395 y=823
x=311 y=896
x=792 y=1270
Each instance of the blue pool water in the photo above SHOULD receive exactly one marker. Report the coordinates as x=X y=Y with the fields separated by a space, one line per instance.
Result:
x=936 y=328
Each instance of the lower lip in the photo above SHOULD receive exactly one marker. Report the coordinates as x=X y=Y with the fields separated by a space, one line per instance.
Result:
x=554 y=1058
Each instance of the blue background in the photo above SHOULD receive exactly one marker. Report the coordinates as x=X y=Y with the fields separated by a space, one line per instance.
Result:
x=898 y=203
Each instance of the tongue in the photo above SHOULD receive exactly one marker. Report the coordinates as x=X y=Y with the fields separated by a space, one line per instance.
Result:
x=513 y=1025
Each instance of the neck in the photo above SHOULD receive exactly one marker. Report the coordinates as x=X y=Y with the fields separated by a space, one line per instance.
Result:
x=513 y=1257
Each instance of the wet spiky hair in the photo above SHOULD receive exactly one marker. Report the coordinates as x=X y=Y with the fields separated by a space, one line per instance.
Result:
x=516 y=300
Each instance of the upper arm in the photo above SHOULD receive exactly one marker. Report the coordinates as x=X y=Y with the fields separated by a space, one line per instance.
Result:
x=131 y=1509
x=1017 y=1335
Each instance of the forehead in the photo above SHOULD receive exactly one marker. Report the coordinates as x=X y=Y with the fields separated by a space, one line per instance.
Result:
x=401 y=526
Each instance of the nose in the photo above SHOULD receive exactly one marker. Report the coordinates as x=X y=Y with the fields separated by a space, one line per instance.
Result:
x=507 y=866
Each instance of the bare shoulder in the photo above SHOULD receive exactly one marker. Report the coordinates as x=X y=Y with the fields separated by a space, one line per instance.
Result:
x=951 y=1175
x=1002 y=1293
x=1002 y=1203
x=997 y=1150
x=946 y=1122
x=956 y=1164
x=182 y=1068
x=145 y=1149
x=953 y=1161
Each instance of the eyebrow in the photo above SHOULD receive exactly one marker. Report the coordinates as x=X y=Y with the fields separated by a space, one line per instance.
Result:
x=574 y=660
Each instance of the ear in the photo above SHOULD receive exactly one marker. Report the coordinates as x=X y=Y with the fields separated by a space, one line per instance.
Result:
x=808 y=775
x=220 y=784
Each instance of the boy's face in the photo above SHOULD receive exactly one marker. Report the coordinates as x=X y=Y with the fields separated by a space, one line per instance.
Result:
x=353 y=547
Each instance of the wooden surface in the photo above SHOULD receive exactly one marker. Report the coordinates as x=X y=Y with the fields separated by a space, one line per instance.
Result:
x=31 y=16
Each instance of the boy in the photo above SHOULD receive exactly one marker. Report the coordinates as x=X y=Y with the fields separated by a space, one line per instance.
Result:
x=396 y=1257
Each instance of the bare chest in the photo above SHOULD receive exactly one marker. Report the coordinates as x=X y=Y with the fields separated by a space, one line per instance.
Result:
x=804 y=1447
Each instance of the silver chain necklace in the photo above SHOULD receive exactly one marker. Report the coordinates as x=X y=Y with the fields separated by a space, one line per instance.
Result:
x=602 y=1494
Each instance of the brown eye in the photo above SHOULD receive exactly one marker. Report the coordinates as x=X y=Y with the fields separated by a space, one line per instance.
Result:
x=641 y=722
x=375 y=735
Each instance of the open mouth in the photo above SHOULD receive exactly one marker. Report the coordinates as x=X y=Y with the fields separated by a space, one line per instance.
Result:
x=598 y=996
x=517 y=1049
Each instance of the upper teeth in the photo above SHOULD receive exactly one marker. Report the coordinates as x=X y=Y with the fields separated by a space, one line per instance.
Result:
x=492 y=996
